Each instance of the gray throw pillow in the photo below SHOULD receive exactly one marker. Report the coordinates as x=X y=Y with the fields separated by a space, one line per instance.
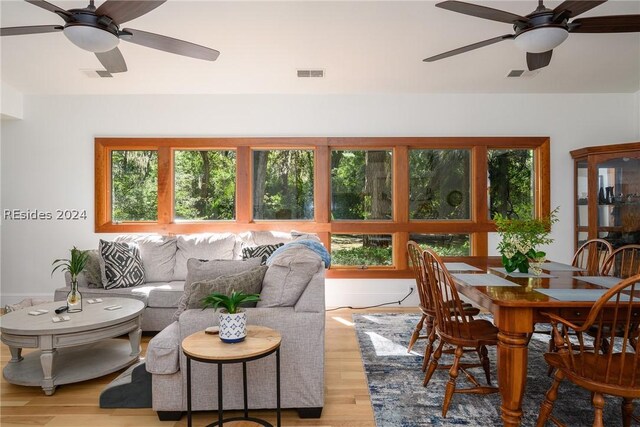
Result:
x=288 y=276
x=199 y=270
x=248 y=282
x=92 y=269
x=121 y=265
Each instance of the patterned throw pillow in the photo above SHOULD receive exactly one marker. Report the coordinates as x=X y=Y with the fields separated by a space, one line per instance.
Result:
x=263 y=252
x=121 y=265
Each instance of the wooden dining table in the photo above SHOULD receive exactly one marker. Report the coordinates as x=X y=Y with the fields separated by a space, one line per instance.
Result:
x=516 y=310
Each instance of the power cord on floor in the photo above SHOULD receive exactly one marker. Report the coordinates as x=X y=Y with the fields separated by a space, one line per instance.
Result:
x=377 y=305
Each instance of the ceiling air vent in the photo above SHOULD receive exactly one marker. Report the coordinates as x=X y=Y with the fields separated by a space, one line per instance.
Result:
x=94 y=74
x=515 y=73
x=310 y=73
x=522 y=74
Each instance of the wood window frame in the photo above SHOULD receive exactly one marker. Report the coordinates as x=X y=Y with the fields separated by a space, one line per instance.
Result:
x=399 y=227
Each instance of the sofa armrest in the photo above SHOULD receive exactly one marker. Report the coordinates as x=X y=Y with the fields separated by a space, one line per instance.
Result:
x=163 y=352
x=312 y=299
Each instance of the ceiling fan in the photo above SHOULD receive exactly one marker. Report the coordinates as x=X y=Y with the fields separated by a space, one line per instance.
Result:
x=539 y=32
x=98 y=30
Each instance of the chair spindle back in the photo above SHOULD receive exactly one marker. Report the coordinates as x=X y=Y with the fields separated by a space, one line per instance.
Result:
x=623 y=262
x=592 y=255
x=450 y=318
x=419 y=271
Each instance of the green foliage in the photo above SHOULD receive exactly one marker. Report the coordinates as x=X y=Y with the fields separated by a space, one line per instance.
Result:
x=75 y=265
x=361 y=184
x=511 y=183
x=229 y=302
x=283 y=184
x=205 y=185
x=134 y=183
x=520 y=237
x=362 y=256
x=439 y=184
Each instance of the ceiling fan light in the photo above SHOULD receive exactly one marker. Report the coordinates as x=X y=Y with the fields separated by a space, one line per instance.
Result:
x=90 y=38
x=542 y=39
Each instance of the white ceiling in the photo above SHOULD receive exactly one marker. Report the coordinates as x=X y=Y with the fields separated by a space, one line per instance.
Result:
x=364 y=47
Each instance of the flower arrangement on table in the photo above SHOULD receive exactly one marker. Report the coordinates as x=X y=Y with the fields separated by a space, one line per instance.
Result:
x=520 y=239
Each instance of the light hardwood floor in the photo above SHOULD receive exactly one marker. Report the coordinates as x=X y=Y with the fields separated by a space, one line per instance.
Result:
x=347 y=401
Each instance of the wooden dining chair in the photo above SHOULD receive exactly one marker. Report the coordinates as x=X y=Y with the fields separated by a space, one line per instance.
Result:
x=615 y=373
x=454 y=328
x=592 y=255
x=426 y=306
x=623 y=262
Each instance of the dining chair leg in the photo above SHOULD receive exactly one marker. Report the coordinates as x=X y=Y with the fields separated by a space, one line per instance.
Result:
x=451 y=385
x=598 y=405
x=550 y=399
x=434 y=363
x=429 y=348
x=486 y=363
x=627 y=412
x=416 y=333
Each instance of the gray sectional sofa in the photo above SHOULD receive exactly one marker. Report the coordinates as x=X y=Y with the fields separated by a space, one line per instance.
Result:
x=165 y=263
x=298 y=316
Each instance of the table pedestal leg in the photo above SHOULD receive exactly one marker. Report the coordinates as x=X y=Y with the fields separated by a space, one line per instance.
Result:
x=16 y=354
x=47 y=358
x=134 y=340
x=512 y=375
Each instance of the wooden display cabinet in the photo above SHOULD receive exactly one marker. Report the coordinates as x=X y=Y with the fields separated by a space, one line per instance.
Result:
x=607 y=193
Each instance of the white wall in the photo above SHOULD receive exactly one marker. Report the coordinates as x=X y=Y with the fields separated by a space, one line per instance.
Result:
x=11 y=102
x=47 y=158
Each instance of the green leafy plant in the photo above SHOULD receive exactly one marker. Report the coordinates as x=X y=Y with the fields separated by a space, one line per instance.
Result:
x=229 y=302
x=520 y=237
x=75 y=265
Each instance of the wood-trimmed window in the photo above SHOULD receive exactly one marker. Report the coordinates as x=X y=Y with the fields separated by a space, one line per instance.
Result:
x=398 y=216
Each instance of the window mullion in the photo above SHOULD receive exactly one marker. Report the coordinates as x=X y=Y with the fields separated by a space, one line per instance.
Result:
x=165 y=185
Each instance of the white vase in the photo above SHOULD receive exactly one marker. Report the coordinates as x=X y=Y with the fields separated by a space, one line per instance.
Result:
x=233 y=327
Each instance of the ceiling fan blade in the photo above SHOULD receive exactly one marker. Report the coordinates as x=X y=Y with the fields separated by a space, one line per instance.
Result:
x=168 y=44
x=538 y=60
x=468 y=48
x=481 y=11
x=32 y=29
x=113 y=61
x=606 y=24
x=48 y=6
x=122 y=11
x=573 y=8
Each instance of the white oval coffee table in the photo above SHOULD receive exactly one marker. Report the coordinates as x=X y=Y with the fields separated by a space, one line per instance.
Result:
x=75 y=350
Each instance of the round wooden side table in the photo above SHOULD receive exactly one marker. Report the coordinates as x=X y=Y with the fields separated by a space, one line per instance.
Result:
x=207 y=348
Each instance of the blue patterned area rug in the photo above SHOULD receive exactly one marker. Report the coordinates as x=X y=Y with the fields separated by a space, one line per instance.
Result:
x=399 y=400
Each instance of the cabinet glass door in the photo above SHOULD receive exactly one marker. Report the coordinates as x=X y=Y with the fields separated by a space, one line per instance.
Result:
x=618 y=200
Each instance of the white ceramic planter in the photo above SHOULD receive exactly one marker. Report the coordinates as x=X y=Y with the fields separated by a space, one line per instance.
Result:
x=233 y=327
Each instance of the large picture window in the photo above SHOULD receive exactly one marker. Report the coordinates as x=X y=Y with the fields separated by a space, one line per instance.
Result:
x=361 y=183
x=204 y=185
x=283 y=184
x=364 y=197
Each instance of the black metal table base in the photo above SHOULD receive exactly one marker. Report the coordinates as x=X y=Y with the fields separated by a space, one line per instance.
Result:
x=246 y=416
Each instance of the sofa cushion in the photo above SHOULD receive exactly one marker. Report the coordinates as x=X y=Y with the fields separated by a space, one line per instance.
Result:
x=206 y=270
x=261 y=252
x=163 y=294
x=206 y=246
x=158 y=255
x=288 y=275
x=248 y=282
x=120 y=264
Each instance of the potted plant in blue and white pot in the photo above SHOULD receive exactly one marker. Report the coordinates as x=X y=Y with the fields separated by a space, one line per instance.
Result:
x=233 y=319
